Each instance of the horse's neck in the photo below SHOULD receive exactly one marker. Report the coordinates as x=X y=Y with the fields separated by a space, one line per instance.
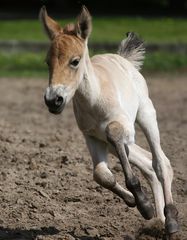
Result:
x=89 y=88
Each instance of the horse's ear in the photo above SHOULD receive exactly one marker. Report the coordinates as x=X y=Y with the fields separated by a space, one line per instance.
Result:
x=51 y=27
x=84 y=23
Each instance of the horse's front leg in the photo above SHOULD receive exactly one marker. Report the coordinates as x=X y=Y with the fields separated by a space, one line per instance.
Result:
x=118 y=135
x=101 y=173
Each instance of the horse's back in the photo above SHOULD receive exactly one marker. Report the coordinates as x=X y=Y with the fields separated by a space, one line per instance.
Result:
x=118 y=72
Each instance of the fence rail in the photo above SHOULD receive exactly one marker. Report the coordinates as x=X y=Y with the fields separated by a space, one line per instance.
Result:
x=17 y=46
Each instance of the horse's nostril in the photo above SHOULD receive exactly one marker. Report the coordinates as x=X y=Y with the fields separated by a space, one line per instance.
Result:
x=59 y=100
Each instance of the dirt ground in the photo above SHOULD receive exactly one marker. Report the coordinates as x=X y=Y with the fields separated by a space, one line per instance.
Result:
x=46 y=185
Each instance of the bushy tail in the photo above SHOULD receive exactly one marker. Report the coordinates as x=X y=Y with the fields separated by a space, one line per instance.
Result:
x=132 y=48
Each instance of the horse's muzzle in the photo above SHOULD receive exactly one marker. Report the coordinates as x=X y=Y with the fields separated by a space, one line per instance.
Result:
x=56 y=104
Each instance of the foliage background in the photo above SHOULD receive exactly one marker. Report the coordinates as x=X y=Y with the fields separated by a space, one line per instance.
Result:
x=156 y=21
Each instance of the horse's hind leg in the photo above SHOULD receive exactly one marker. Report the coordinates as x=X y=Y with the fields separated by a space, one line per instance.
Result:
x=119 y=134
x=142 y=159
x=102 y=174
x=147 y=120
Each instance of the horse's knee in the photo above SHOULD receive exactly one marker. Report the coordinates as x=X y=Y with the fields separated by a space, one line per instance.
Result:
x=117 y=133
x=114 y=132
x=103 y=176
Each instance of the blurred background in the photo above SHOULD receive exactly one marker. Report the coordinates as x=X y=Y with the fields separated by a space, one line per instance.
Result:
x=161 y=23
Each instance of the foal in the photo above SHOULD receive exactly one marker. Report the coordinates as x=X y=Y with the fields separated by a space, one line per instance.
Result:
x=109 y=96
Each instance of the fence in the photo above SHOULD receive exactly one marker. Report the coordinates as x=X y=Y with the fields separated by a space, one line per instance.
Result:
x=18 y=46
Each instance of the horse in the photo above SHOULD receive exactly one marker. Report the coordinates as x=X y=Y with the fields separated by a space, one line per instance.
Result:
x=109 y=96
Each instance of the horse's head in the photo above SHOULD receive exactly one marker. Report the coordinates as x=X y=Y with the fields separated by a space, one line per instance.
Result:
x=65 y=58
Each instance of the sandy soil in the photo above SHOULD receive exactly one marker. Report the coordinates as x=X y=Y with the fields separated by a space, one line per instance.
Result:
x=46 y=185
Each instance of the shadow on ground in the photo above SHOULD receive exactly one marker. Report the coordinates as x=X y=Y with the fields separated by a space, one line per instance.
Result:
x=30 y=234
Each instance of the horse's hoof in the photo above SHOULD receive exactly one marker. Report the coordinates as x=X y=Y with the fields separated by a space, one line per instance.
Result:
x=145 y=207
x=171 y=226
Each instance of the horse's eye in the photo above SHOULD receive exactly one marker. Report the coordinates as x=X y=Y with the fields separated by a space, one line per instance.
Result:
x=74 y=62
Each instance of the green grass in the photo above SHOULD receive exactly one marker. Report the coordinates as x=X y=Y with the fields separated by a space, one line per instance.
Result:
x=22 y=65
x=151 y=30
x=165 y=62
x=105 y=29
x=33 y=65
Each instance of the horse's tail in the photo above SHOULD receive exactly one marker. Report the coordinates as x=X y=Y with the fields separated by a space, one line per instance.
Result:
x=132 y=48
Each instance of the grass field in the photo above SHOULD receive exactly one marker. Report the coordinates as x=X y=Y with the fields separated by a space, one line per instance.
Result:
x=33 y=65
x=105 y=29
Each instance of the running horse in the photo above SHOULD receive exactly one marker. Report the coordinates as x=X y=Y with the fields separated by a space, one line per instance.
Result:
x=109 y=95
